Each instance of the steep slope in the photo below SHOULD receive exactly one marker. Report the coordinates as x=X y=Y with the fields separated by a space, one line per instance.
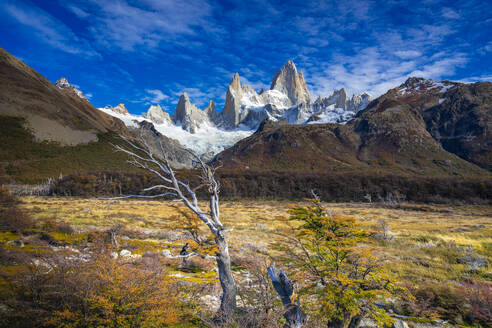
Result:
x=462 y=122
x=47 y=130
x=389 y=136
x=51 y=113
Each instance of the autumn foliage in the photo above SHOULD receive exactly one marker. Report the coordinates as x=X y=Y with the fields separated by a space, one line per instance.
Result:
x=60 y=291
x=333 y=262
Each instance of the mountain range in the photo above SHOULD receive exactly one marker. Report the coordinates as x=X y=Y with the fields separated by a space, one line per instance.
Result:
x=207 y=131
x=422 y=128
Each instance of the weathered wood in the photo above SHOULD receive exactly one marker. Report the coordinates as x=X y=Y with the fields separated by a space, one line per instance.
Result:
x=293 y=314
x=143 y=157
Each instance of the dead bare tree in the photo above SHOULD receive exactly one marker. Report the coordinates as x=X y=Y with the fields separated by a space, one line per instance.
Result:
x=293 y=314
x=143 y=157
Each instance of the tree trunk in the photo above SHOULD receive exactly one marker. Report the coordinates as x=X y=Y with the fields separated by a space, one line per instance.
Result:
x=229 y=289
x=346 y=322
x=355 y=321
x=336 y=323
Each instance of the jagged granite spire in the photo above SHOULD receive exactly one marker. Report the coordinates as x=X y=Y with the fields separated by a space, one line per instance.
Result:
x=157 y=115
x=211 y=111
x=232 y=108
x=188 y=114
x=289 y=82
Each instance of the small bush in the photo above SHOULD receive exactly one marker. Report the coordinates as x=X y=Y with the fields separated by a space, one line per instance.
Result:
x=54 y=224
x=12 y=218
x=469 y=303
x=59 y=291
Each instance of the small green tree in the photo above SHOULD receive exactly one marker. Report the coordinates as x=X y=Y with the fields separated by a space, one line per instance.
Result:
x=334 y=264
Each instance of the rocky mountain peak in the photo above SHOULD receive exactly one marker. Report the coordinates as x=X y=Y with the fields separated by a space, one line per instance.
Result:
x=157 y=115
x=340 y=99
x=235 y=82
x=63 y=84
x=289 y=82
x=183 y=107
x=414 y=81
x=120 y=109
x=232 y=106
x=421 y=85
x=359 y=102
x=210 y=109
x=188 y=114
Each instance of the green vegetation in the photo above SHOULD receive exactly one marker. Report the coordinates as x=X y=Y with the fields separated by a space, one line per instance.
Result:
x=334 y=264
x=26 y=160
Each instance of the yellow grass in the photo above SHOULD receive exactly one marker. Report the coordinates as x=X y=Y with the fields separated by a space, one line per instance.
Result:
x=256 y=225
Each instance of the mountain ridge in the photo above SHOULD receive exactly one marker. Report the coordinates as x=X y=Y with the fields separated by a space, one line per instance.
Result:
x=244 y=109
x=419 y=128
x=393 y=134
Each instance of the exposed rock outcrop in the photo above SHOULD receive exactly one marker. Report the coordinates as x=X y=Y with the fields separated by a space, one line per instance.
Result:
x=157 y=115
x=340 y=99
x=188 y=115
x=120 y=109
x=359 y=102
x=62 y=83
x=291 y=83
x=457 y=115
x=211 y=111
x=233 y=113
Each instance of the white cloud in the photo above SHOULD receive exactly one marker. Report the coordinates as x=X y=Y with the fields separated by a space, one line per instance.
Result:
x=154 y=96
x=407 y=54
x=49 y=29
x=376 y=71
x=78 y=12
x=450 y=13
x=145 y=24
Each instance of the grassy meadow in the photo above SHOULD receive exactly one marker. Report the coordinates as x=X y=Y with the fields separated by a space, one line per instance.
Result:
x=427 y=248
x=425 y=243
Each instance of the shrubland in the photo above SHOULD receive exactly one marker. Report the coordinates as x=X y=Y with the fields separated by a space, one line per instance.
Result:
x=279 y=185
x=59 y=268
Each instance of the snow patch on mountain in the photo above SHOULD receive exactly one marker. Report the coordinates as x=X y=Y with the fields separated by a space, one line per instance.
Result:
x=415 y=85
x=207 y=139
x=127 y=118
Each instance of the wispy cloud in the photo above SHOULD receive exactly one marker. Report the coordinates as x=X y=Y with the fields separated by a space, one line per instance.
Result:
x=450 y=13
x=147 y=24
x=376 y=71
x=154 y=50
x=154 y=96
x=48 y=29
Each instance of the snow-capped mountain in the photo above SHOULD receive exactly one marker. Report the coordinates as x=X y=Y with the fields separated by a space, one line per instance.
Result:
x=207 y=140
x=62 y=83
x=414 y=85
x=208 y=131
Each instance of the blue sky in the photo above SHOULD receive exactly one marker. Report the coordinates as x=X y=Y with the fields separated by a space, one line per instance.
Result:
x=150 y=51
